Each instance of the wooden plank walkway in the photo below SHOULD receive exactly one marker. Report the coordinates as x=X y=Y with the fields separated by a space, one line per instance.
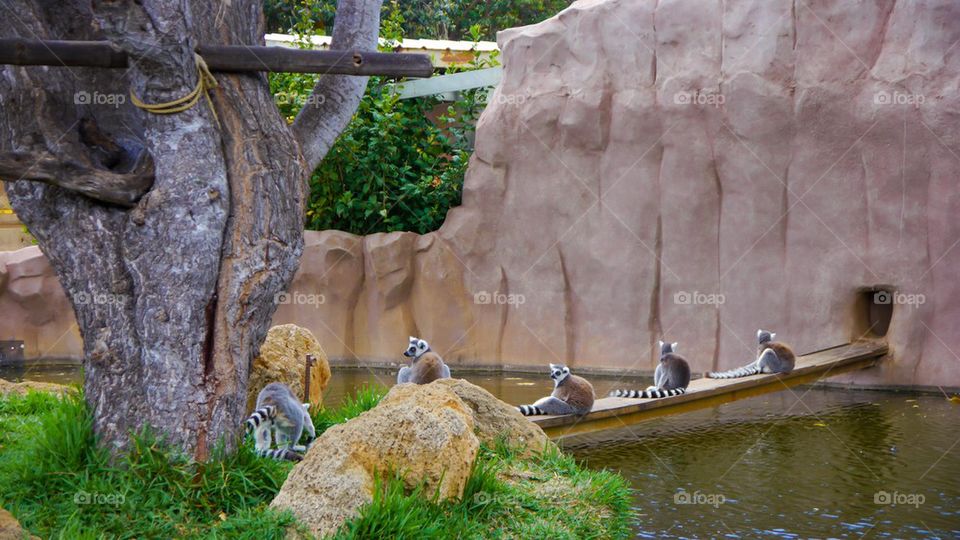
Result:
x=613 y=413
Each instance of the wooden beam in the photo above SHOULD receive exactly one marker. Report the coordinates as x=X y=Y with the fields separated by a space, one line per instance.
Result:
x=222 y=58
x=616 y=413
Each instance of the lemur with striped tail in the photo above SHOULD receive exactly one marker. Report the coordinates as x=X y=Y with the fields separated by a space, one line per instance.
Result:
x=426 y=366
x=571 y=395
x=279 y=412
x=669 y=379
x=773 y=357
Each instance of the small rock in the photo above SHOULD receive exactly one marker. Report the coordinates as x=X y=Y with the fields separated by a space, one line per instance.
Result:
x=10 y=528
x=424 y=432
x=283 y=358
x=21 y=388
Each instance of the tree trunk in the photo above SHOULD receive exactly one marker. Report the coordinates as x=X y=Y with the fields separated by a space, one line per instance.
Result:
x=174 y=295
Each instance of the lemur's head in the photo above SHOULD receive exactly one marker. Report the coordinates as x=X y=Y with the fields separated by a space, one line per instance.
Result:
x=763 y=336
x=667 y=348
x=416 y=348
x=559 y=372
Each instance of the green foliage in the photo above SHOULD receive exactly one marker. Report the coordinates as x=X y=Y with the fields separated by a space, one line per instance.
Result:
x=61 y=484
x=433 y=19
x=596 y=505
x=394 y=513
x=400 y=164
x=32 y=402
x=29 y=237
x=363 y=399
x=392 y=169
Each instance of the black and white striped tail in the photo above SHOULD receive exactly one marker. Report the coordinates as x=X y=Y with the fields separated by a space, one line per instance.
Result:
x=647 y=394
x=282 y=454
x=259 y=416
x=735 y=373
x=530 y=410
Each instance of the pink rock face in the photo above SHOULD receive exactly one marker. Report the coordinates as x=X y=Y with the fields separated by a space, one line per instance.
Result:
x=33 y=307
x=688 y=171
x=692 y=171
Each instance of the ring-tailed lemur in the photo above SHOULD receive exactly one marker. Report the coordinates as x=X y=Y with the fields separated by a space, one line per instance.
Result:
x=571 y=395
x=279 y=409
x=426 y=367
x=670 y=378
x=773 y=357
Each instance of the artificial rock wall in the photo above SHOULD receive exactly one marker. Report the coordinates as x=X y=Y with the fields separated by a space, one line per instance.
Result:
x=692 y=169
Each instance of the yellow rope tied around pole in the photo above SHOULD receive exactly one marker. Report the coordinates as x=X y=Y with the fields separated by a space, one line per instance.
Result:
x=205 y=82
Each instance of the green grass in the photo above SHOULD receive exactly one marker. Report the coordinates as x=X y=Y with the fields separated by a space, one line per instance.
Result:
x=59 y=484
x=363 y=399
x=548 y=496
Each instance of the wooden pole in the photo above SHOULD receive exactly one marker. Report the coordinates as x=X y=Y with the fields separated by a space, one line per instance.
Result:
x=306 y=378
x=222 y=58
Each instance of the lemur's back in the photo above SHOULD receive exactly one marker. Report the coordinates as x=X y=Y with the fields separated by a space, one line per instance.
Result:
x=787 y=357
x=576 y=391
x=289 y=408
x=427 y=368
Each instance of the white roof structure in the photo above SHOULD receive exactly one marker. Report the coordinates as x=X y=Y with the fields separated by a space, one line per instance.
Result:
x=443 y=53
x=448 y=85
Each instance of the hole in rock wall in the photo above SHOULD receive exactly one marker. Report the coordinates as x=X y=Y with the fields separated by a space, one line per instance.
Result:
x=874 y=311
x=11 y=351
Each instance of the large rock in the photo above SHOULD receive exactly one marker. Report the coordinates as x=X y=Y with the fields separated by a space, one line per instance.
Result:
x=283 y=358
x=683 y=169
x=10 y=528
x=424 y=432
x=493 y=419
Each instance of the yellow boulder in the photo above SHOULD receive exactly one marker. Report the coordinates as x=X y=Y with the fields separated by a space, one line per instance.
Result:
x=283 y=359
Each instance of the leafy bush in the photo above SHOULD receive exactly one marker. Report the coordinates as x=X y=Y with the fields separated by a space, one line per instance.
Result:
x=433 y=19
x=400 y=164
x=392 y=169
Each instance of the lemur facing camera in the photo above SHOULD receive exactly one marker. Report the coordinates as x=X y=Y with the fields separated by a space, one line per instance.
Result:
x=571 y=395
x=426 y=366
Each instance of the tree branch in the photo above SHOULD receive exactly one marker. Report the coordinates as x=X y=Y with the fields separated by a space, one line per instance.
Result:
x=123 y=189
x=336 y=97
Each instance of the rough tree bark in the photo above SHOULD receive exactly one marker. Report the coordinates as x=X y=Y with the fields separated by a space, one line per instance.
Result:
x=174 y=295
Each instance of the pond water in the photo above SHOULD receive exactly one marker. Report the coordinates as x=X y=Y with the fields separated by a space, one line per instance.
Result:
x=50 y=370
x=805 y=462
